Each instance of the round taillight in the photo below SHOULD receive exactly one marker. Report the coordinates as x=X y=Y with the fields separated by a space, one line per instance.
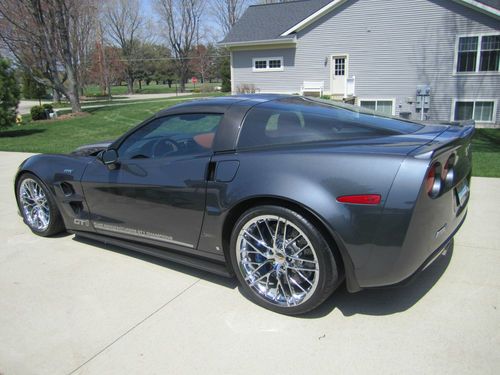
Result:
x=448 y=172
x=433 y=181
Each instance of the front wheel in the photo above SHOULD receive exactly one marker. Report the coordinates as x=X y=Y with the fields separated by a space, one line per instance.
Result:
x=37 y=206
x=282 y=261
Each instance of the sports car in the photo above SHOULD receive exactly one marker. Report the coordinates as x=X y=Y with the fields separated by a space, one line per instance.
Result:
x=291 y=195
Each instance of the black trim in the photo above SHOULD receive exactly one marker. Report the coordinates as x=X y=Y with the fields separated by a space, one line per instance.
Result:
x=187 y=260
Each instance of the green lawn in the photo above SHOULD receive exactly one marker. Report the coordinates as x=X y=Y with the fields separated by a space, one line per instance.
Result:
x=486 y=153
x=62 y=136
x=152 y=88
x=105 y=123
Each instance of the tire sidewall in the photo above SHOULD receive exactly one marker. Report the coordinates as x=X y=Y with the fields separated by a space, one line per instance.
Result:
x=55 y=221
x=328 y=271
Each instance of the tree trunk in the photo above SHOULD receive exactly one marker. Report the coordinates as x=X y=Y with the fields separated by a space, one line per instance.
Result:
x=56 y=97
x=130 y=85
x=140 y=84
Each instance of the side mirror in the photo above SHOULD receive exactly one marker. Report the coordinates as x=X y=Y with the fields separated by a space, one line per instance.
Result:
x=110 y=158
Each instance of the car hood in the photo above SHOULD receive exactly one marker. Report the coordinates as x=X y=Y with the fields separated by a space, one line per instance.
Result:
x=91 y=149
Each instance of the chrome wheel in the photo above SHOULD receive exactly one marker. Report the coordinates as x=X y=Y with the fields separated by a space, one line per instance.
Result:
x=277 y=260
x=34 y=204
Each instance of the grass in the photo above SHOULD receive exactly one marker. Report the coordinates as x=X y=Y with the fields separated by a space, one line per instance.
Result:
x=106 y=123
x=63 y=136
x=152 y=88
x=486 y=153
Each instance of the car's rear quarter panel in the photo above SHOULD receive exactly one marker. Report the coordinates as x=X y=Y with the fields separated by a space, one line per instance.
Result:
x=312 y=178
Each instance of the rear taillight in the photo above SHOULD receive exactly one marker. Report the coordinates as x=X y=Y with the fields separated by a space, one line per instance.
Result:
x=448 y=172
x=433 y=181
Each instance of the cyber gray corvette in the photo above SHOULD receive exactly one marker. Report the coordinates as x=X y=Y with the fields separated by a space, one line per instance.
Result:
x=289 y=194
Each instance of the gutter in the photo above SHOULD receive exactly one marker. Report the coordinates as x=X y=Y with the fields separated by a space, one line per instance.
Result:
x=265 y=42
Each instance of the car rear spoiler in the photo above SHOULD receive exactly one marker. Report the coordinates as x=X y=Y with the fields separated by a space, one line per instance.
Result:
x=455 y=135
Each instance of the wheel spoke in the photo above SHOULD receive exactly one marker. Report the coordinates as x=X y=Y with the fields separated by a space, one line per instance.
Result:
x=34 y=204
x=253 y=272
x=256 y=250
x=257 y=240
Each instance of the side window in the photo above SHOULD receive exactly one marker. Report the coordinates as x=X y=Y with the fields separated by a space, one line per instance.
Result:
x=298 y=120
x=171 y=136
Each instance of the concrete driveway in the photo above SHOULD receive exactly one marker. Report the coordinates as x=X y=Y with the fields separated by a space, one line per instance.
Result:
x=71 y=307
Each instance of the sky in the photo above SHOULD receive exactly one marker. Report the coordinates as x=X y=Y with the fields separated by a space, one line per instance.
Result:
x=215 y=32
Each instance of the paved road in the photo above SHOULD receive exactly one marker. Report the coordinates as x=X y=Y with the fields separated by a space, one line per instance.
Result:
x=70 y=307
x=25 y=105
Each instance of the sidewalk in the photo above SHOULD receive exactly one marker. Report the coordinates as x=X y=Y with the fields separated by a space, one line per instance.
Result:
x=24 y=106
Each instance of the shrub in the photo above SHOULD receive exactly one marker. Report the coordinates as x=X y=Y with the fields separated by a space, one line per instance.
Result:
x=207 y=88
x=38 y=113
x=41 y=112
x=48 y=107
x=9 y=94
x=246 y=88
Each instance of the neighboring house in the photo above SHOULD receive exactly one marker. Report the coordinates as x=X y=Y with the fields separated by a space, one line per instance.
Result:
x=376 y=53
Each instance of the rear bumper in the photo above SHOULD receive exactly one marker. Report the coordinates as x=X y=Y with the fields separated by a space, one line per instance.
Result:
x=441 y=250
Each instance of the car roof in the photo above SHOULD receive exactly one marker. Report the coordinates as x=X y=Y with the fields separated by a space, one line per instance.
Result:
x=221 y=103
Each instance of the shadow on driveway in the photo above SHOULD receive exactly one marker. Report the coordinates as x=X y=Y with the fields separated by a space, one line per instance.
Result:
x=382 y=301
x=223 y=281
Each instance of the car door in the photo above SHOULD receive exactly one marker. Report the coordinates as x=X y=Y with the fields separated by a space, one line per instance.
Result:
x=155 y=193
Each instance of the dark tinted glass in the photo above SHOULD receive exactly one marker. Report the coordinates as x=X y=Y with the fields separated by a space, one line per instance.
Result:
x=171 y=136
x=298 y=120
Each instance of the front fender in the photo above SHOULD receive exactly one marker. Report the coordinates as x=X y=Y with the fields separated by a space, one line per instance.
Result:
x=61 y=174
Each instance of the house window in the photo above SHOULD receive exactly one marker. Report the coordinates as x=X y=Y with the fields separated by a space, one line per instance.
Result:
x=480 y=110
x=268 y=64
x=478 y=54
x=260 y=64
x=384 y=106
x=340 y=66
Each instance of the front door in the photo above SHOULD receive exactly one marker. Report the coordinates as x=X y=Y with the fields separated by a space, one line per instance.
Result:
x=339 y=74
x=157 y=192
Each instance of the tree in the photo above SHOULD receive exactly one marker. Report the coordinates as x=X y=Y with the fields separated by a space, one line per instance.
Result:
x=227 y=12
x=182 y=18
x=32 y=89
x=106 y=67
x=225 y=72
x=124 y=25
x=46 y=38
x=9 y=94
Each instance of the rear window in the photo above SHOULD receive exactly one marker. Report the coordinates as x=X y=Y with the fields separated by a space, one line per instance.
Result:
x=300 y=120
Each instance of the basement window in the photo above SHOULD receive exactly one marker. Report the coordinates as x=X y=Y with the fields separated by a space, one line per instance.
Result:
x=478 y=110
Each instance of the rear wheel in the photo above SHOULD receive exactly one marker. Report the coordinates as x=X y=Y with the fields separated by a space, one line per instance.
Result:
x=38 y=207
x=282 y=261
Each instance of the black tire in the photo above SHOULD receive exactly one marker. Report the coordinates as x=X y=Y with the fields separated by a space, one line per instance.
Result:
x=55 y=223
x=328 y=278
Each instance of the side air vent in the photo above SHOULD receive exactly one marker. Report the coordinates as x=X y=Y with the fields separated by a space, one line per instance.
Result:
x=77 y=207
x=67 y=189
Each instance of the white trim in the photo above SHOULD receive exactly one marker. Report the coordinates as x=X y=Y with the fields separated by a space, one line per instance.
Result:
x=267 y=60
x=232 y=71
x=379 y=99
x=335 y=3
x=332 y=67
x=478 y=57
x=259 y=42
x=319 y=13
x=474 y=100
x=480 y=7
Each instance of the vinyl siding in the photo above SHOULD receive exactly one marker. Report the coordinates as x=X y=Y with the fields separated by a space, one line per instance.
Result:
x=393 y=46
